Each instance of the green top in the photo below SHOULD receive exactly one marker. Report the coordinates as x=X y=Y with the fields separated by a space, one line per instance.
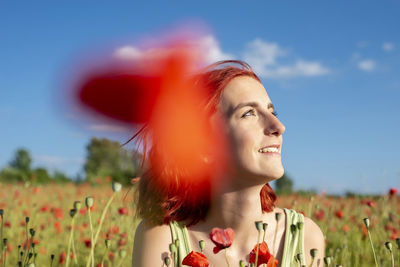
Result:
x=294 y=239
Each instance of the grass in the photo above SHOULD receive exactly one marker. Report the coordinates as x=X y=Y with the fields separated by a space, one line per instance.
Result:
x=49 y=211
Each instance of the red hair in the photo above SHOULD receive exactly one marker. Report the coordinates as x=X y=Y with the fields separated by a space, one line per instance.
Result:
x=165 y=195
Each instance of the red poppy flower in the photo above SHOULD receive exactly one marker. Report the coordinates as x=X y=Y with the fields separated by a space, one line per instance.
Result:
x=195 y=259
x=370 y=203
x=63 y=255
x=393 y=191
x=88 y=243
x=123 y=211
x=339 y=214
x=264 y=256
x=319 y=215
x=222 y=238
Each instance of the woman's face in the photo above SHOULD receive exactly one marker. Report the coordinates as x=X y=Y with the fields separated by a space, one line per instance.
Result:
x=255 y=133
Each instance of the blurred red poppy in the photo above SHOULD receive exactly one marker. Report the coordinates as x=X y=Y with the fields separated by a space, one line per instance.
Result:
x=222 y=238
x=339 y=214
x=88 y=243
x=63 y=255
x=264 y=256
x=123 y=211
x=195 y=259
x=393 y=191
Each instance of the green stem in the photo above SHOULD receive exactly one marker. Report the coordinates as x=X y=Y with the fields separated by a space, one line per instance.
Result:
x=312 y=262
x=90 y=257
x=372 y=246
x=99 y=228
x=74 y=251
x=391 y=254
x=275 y=234
x=1 y=232
x=26 y=245
x=258 y=245
x=69 y=242
x=226 y=257
x=104 y=256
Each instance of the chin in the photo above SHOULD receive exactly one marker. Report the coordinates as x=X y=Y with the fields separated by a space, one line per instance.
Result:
x=274 y=174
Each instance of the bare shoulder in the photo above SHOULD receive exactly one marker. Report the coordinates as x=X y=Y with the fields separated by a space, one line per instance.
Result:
x=313 y=239
x=151 y=245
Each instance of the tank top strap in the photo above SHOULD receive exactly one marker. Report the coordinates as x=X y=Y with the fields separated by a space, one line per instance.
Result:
x=179 y=232
x=294 y=239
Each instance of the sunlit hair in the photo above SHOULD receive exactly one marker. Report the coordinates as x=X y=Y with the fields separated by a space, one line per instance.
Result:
x=166 y=195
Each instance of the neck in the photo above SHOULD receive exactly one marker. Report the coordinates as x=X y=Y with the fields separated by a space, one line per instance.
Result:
x=236 y=207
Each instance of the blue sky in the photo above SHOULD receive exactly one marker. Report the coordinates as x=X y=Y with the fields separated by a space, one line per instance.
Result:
x=332 y=69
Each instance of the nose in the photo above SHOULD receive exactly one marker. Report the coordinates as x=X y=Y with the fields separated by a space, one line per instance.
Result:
x=273 y=126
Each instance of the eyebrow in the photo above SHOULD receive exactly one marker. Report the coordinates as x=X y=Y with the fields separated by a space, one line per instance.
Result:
x=248 y=104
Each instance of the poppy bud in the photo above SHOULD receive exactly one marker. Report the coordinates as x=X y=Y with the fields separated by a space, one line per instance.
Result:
x=172 y=248
x=327 y=260
x=89 y=202
x=366 y=222
x=398 y=243
x=5 y=241
x=116 y=187
x=32 y=232
x=278 y=216
x=202 y=244
x=388 y=245
x=72 y=213
x=293 y=228
x=167 y=261
x=300 y=225
x=265 y=226
x=241 y=263
x=122 y=253
x=1 y=212
x=26 y=219
x=259 y=225
x=312 y=198
x=52 y=256
x=107 y=242
x=313 y=252
x=77 y=205
x=177 y=243
x=299 y=257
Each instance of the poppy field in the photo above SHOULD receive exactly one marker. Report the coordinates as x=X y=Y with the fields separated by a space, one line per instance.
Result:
x=94 y=225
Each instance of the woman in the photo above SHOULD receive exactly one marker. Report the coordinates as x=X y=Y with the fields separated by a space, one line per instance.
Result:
x=238 y=193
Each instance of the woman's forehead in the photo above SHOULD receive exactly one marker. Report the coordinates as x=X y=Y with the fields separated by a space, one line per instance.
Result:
x=241 y=90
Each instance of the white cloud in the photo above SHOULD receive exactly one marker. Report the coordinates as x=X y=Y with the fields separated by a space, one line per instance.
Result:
x=387 y=46
x=127 y=52
x=107 y=128
x=212 y=50
x=263 y=57
x=367 y=65
x=208 y=46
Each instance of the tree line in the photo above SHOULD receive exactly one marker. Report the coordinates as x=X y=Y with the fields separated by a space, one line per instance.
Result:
x=104 y=158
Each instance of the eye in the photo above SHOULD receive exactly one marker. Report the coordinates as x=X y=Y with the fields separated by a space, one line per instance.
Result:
x=275 y=113
x=248 y=113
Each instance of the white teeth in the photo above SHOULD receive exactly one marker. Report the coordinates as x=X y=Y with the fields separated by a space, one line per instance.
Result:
x=268 y=149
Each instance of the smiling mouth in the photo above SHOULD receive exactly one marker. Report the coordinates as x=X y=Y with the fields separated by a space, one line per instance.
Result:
x=270 y=149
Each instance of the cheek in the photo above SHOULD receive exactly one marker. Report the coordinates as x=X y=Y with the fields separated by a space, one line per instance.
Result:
x=243 y=143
